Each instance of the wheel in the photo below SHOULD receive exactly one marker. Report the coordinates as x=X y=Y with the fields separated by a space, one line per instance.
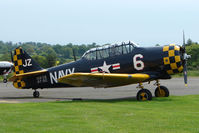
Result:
x=144 y=95
x=5 y=80
x=36 y=94
x=162 y=92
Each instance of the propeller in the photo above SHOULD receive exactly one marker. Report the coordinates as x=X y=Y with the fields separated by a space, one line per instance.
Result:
x=185 y=58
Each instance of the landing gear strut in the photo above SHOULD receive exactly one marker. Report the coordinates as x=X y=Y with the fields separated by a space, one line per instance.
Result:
x=36 y=94
x=143 y=94
x=161 y=91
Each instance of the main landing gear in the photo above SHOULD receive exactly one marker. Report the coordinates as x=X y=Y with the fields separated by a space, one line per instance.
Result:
x=161 y=91
x=144 y=94
x=36 y=94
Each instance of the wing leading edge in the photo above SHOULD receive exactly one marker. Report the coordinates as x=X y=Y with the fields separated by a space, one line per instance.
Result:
x=102 y=79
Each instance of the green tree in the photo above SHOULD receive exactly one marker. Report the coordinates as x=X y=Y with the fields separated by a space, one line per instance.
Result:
x=51 y=57
x=41 y=60
x=67 y=52
x=6 y=57
x=193 y=50
x=189 y=42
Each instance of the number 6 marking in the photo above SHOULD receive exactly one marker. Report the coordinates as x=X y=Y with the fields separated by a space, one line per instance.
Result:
x=138 y=64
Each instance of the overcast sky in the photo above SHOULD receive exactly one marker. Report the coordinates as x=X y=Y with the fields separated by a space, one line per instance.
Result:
x=146 y=22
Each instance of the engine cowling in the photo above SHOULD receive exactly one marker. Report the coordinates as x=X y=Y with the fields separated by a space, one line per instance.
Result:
x=172 y=59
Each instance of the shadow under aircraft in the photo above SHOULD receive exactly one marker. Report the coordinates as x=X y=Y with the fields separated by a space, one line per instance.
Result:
x=103 y=67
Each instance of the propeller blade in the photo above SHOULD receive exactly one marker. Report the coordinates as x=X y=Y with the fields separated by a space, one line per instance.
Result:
x=183 y=39
x=185 y=57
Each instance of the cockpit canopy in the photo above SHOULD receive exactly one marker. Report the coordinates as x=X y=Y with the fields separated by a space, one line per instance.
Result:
x=109 y=50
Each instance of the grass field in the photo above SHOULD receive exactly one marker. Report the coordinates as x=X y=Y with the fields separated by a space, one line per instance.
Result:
x=191 y=73
x=179 y=114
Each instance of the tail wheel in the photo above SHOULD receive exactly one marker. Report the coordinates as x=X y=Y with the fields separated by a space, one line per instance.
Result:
x=144 y=95
x=5 y=80
x=36 y=94
x=161 y=92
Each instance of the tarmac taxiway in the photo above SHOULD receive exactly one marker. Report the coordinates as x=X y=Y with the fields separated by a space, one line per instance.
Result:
x=9 y=94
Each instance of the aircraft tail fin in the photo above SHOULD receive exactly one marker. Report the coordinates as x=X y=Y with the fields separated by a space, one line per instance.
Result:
x=23 y=63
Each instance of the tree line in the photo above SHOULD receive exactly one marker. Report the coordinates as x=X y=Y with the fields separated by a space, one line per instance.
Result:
x=48 y=55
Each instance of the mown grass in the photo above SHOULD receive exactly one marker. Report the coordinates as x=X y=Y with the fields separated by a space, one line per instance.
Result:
x=194 y=73
x=190 y=73
x=177 y=114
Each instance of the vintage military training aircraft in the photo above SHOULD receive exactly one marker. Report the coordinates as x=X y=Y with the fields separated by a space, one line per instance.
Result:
x=107 y=66
x=5 y=68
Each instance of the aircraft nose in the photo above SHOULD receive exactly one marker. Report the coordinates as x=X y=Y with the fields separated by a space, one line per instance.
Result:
x=172 y=59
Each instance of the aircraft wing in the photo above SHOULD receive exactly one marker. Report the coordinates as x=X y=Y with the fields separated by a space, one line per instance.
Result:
x=24 y=75
x=102 y=79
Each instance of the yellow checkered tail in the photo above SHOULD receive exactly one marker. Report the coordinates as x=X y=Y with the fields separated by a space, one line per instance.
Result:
x=23 y=63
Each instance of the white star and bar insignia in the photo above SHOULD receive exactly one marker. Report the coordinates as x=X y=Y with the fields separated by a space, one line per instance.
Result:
x=105 y=68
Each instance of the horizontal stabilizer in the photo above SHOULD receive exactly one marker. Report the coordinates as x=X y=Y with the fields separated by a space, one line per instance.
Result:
x=98 y=80
x=24 y=75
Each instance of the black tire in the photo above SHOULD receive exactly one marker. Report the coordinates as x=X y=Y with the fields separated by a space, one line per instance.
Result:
x=164 y=92
x=144 y=95
x=36 y=94
x=5 y=80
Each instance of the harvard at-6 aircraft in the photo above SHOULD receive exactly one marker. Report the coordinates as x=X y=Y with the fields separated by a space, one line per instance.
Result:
x=5 y=68
x=107 y=66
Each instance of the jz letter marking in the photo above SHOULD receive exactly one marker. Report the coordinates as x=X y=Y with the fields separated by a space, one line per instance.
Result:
x=27 y=62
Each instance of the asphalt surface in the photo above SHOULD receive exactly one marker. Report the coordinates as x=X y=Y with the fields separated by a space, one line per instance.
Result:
x=9 y=94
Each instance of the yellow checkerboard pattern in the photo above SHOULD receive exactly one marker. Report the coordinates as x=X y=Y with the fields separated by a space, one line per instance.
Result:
x=19 y=84
x=172 y=59
x=18 y=67
x=18 y=64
